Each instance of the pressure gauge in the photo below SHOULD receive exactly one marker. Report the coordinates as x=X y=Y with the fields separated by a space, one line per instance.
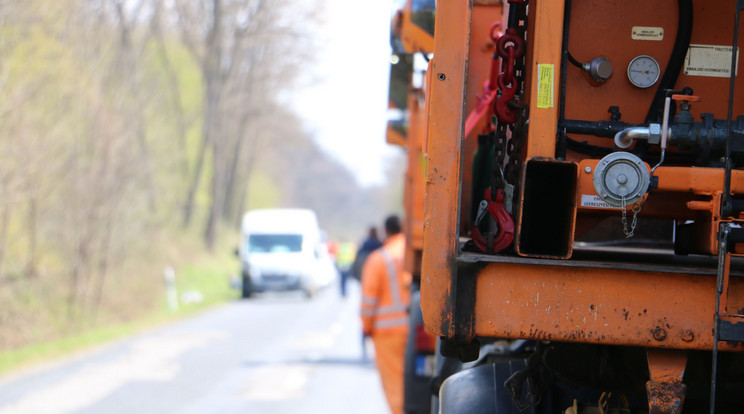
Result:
x=643 y=71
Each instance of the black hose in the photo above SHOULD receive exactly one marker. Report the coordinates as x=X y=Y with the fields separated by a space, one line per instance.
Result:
x=561 y=146
x=676 y=61
x=574 y=61
x=673 y=68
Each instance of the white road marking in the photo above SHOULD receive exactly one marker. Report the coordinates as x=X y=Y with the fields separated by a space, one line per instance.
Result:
x=276 y=383
x=150 y=359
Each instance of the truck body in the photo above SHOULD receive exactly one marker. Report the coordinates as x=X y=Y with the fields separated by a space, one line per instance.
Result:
x=583 y=205
x=282 y=249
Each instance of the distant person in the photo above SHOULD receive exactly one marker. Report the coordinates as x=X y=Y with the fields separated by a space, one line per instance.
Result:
x=370 y=244
x=344 y=261
x=385 y=300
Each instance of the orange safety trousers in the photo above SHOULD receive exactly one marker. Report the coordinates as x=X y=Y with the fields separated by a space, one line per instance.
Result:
x=389 y=356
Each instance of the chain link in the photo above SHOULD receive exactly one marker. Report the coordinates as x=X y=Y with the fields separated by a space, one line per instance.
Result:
x=518 y=138
x=636 y=208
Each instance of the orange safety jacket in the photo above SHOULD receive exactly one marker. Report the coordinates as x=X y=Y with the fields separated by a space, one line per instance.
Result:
x=386 y=292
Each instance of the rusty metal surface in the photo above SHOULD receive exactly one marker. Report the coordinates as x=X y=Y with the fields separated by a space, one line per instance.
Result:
x=606 y=306
x=665 y=397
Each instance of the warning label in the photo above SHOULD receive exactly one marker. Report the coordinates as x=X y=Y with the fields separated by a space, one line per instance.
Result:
x=709 y=60
x=647 y=33
x=593 y=201
x=545 y=85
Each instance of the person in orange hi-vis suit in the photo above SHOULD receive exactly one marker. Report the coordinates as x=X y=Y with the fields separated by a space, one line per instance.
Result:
x=385 y=300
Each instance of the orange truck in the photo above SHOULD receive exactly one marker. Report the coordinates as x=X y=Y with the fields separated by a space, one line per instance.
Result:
x=412 y=40
x=582 y=217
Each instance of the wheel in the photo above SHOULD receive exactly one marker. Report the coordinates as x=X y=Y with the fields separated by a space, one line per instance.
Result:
x=310 y=292
x=246 y=290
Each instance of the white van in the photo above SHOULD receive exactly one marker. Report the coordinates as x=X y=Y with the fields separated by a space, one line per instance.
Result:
x=283 y=249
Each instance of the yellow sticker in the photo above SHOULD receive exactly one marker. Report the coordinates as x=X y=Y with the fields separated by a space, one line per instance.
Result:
x=545 y=85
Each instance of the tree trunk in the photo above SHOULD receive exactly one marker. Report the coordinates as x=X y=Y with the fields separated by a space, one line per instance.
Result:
x=212 y=92
x=4 y=224
x=210 y=232
x=32 y=244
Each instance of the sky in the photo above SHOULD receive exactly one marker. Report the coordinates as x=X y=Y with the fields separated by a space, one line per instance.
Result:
x=346 y=106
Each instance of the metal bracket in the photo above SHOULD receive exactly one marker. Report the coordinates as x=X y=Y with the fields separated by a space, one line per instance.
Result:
x=666 y=392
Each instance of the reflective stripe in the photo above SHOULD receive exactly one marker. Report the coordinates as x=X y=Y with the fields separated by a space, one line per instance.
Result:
x=391 y=323
x=392 y=278
x=384 y=310
x=391 y=309
x=369 y=301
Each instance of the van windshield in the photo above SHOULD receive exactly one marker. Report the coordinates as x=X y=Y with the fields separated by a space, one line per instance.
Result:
x=274 y=243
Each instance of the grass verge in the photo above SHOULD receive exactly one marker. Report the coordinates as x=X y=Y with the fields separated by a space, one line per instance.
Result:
x=202 y=280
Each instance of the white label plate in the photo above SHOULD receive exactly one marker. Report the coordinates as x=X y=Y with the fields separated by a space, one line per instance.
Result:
x=593 y=201
x=709 y=60
x=647 y=33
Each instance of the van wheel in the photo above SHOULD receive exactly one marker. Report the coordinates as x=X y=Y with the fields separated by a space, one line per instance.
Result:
x=309 y=292
x=246 y=290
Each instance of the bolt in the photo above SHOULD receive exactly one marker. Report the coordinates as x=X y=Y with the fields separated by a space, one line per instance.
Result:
x=588 y=169
x=659 y=334
x=441 y=76
x=688 y=335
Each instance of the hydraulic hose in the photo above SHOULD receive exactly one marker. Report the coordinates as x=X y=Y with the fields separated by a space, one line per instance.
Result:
x=673 y=68
x=566 y=57
x=676 y=60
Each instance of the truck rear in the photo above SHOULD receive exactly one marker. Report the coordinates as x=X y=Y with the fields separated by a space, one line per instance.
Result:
x=583 y=209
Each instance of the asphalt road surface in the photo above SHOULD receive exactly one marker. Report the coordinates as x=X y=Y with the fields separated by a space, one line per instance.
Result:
x=276 y=353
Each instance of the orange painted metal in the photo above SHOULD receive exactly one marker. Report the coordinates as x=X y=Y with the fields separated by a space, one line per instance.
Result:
x=589 y=34
x=546 y=52
x=683 y=193
x=395 y=137
x=457 y=72
x=666 y=365
x=446 y=104
x=414 y=38
x=698 y=180
x=569 y=300
x=552 y=302
x=413 y=193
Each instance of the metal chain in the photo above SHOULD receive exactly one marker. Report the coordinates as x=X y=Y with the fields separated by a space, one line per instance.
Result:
x=636 y=208
x=497 y=173
x=510 y=111
x=501 y=141
x=516 y=142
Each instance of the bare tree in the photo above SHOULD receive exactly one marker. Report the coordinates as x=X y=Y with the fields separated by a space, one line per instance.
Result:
x=248 y=52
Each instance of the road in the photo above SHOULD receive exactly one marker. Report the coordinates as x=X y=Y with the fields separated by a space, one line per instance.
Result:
x=277 y=353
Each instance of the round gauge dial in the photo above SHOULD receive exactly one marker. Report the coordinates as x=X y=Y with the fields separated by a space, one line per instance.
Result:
x=643 y=71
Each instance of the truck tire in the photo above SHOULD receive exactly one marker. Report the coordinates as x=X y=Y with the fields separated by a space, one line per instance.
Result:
x=246 y=291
